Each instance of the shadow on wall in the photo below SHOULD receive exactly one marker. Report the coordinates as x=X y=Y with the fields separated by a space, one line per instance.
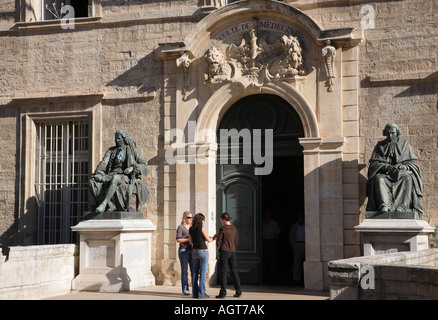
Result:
x=418 y=85
x=145 y=75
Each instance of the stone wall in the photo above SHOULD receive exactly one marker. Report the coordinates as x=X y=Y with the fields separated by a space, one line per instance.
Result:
x=393 y=276
x=8 y=175
x=35 y=272
x=8 y=14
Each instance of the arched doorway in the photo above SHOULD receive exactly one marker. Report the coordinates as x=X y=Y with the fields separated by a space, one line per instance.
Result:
x=246 y=195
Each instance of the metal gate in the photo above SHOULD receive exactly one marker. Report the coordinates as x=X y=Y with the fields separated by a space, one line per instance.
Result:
x=62 y=175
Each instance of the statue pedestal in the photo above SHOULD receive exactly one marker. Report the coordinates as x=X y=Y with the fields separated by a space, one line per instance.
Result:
x=115 y=254
x=393 y=235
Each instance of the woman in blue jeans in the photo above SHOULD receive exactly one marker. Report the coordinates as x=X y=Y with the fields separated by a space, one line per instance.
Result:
x=185 y=250
x=197 y=237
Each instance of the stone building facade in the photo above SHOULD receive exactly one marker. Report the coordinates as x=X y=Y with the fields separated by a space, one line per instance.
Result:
x=324 y=75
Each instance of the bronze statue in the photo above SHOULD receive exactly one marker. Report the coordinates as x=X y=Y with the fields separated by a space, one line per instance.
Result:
x=118 y=177
x=394 y=177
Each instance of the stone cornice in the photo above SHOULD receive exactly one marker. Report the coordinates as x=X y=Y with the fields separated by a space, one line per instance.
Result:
x=55 y=99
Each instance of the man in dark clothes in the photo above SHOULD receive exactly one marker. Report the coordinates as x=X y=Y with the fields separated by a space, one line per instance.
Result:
x=394 y=177
x=226 y=243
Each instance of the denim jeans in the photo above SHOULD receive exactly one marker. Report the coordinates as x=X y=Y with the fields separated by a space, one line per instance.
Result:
x=200 y=264
x=185 y=259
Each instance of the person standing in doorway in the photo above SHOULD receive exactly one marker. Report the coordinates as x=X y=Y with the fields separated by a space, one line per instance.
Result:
x=226 y=244
x=197 y=237
x=296 y=241
x=271 y=234
x=185 y=250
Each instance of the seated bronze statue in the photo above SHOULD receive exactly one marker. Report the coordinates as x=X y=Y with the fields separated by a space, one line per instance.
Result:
x=117 y=177
x=394 y=177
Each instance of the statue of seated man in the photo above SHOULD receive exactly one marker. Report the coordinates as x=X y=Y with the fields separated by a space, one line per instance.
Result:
x=117 y=177
x=394 y=177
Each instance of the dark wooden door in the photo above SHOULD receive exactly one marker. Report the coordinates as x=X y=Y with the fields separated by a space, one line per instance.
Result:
x=239 y=195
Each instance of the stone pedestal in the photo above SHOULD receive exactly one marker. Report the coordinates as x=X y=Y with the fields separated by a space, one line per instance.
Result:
x=115 y=254
x=393 y=235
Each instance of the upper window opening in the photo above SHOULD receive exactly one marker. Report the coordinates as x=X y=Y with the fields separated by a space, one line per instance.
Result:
x=58 y=9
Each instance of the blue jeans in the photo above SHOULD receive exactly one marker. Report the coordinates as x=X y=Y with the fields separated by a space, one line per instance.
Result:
x=185 y=259
x=200 y=264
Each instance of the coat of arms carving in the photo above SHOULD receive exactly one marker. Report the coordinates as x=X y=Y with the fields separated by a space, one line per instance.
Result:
x=256 y=61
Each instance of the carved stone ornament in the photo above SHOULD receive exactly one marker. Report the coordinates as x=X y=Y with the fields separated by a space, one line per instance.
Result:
x=185 y=62
x=329 y=52
x=218 y=69
x=256 y=60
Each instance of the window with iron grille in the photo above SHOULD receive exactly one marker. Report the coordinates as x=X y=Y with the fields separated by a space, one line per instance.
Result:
x=62 y=175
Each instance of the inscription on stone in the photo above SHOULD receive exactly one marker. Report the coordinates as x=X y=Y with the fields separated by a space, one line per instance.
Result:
x=101 y=254
x=262 y=25
x=382 y=248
